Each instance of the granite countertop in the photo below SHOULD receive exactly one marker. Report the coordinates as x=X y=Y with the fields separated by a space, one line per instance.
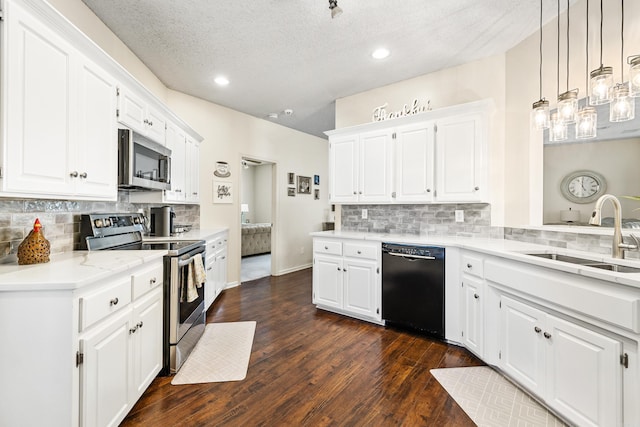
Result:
x=72 y=270
x=509 y=249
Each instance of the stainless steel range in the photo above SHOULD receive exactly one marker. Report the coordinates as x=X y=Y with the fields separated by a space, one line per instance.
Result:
x=184 y=317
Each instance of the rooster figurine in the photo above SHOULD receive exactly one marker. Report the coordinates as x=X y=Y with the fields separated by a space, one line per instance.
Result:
x=34 y=249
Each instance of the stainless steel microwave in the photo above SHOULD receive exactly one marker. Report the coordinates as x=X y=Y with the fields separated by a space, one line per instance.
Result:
x=142 y=164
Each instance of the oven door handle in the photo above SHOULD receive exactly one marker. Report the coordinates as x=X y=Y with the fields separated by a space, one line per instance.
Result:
x=183 y=263
x=187 y=259
x=411 y=256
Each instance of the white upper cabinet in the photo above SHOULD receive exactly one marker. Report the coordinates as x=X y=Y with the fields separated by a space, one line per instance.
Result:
x=414 y=163
x=60 y=133
x=434 y=157
x=59 y=104
x=360 y=167
x=176 y=142
x=138 y=115
x=460 y=154
x=192 y=175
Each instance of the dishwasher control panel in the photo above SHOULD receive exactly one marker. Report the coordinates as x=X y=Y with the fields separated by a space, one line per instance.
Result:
x=413 y=250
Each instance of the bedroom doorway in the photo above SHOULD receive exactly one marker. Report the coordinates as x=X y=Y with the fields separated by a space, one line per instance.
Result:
x=256 y=218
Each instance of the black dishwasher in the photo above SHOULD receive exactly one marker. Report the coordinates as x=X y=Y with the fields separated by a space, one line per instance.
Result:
x=413 y=287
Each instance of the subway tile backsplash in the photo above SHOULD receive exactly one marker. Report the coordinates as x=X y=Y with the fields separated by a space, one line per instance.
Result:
x=422 y=220
x=60 y=220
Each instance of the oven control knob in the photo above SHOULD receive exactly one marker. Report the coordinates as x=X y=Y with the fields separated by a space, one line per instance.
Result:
x=107 y=222
x=98 y=223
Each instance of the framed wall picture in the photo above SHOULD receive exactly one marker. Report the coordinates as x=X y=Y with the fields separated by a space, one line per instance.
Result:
x=222 y=192
x=304 y=184
x=316 y=179
x=291 y=176
x=291 y=192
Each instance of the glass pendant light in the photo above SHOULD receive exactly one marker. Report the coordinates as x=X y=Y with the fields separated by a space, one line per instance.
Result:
x=587 y=117
x=634 y=75
x=540 y=112
x=622 y=105
x=558 y=130
x=601 y=78
x=567 y=101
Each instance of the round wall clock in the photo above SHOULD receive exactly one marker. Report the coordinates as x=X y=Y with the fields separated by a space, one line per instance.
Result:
x=583 y=186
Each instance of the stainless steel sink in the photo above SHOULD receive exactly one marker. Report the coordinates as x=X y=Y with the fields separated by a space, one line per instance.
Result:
x=587 y=262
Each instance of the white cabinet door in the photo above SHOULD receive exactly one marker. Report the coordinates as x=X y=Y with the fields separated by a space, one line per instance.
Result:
x=96 y=149
x=40 y=106
x=343 y=169
x=176 y=142
x=473 y=323
x=327 y=281
x=147 y=341
x=105 y=373
x=375 y=166
x=460 y=165
x=414 y=163
x=523 y=344
x=221 y=269
x=192 y=171
x=584 y=376
x=156 y=126
x=360 y=279
x=131 y=111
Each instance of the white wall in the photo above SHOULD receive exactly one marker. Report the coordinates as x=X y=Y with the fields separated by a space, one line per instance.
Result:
x=482 y=79
x=247 y=195
x=228 y=136
x=262 y=195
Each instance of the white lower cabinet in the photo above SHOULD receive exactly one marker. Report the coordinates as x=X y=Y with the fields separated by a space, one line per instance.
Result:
x=473 y=314
x=121 y=353
x=104 y=378
x=575 y=370
x=346 y=277
x=216 y=267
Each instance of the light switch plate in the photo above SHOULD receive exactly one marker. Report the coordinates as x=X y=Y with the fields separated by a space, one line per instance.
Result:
x=365 y=214
x=459 y=215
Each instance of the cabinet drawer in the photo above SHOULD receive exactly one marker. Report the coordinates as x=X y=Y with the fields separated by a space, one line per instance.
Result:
x=472 y=265
x=103 y=302
x=146 y=280
x=212 y=245
x=327 y=247
x=360 y=250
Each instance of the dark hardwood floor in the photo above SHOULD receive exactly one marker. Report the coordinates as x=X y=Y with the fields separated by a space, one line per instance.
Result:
x=310 y=367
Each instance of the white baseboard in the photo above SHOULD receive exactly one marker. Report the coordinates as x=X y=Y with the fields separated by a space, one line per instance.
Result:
x=231 y=285
x=293 y=269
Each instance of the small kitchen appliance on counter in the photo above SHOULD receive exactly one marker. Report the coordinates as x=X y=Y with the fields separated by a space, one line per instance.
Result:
x=183 y=318
x=162 y=221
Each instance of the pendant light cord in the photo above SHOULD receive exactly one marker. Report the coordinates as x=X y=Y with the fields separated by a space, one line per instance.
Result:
x=540 y=49
x=568 y=45
x=601 y=65
x=558 y=62
x=587 y=60
x=622 y=45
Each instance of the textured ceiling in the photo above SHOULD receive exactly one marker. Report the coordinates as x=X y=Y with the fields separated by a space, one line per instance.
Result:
x=290 y=54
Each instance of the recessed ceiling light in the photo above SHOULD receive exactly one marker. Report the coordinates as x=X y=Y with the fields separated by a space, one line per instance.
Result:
x=380 y=53
x=221 y=81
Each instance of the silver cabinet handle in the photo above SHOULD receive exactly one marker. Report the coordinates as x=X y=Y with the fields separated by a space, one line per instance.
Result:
x=139 y=325
x=83 y=175
x=359 y=252
x=537 y=329
x=339 y=269
x=476 y=296
x=360 y=192
x=469 y=266
x=355 y=192
x=344 y=269
x=428 y=190
x=547 y=335
x=152 y=281
x=74 y=174
x=326 y=248
x=476 y=188
x=113 y=301
x=133 y=330
x=210 y=268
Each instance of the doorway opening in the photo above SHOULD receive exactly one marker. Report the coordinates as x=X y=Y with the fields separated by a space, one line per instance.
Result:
x=256 y=218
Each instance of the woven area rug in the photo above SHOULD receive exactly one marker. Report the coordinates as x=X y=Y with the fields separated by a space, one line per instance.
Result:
x=222 y=354
x=491 y=400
